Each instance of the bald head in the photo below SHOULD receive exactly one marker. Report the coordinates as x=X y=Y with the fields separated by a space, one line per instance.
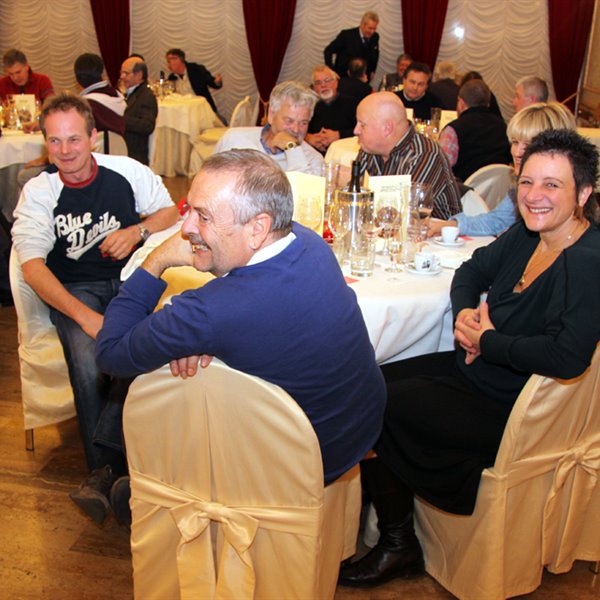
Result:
x=133 y=71
x=380 y=123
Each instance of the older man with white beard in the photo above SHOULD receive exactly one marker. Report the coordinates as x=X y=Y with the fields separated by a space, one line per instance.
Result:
x=335 y=114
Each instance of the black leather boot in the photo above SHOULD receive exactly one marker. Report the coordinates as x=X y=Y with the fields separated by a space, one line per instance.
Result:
x=398 y=552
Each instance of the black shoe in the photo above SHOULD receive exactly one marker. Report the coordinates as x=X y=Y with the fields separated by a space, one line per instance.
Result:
x=398 y=554
x=119 y=500
x=92 y=494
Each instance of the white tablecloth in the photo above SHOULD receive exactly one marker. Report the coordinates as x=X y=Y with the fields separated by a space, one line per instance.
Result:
x=406 y=314
x=343 y=151
x=180 y=120
x=409 y=314
x=16 y=149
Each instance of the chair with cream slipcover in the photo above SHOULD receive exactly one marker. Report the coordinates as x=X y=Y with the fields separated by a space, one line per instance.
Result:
x=538 y=506
x=243 y=115
x=473 y=204
x=227 y=491
x=46 y=391
x=492 y=183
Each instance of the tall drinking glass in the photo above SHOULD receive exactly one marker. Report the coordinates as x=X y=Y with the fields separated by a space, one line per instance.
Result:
x=411 y=232
x=340 y=222
x=421 y=196
x=362 y=249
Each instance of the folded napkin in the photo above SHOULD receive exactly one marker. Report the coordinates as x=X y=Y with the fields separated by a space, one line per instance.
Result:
x=452 y=260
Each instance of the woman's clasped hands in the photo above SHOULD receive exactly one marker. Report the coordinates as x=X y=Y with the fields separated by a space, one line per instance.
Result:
x=470 y=325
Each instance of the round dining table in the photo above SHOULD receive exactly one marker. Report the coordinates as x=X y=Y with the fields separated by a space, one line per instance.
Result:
x=16 y=149
x=407 y=314
x=180 y=120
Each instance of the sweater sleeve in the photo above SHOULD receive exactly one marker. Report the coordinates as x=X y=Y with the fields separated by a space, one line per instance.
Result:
x=135 y=340
x=491 y=223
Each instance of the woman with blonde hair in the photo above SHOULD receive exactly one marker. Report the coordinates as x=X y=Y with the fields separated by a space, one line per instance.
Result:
x=522 y=128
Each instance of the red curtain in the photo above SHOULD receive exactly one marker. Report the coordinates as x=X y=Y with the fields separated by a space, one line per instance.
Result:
x=111 y=19
x=422 y=28
x=268 y=29
x=569 y=26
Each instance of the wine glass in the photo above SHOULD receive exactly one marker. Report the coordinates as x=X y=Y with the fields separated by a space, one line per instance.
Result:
x=340 y=221
x=309 y=212
x=395 y=253
x=388 y=211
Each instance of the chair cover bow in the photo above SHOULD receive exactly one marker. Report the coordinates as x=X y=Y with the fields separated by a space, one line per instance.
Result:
x=195 y=558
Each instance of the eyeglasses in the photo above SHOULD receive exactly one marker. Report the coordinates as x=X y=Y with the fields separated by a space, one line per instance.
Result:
x=323 y=81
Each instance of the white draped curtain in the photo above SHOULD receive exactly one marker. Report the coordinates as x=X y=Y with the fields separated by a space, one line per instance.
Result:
x=503 y=39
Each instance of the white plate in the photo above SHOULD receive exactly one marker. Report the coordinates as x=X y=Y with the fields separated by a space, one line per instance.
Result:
x=410 y=268
x=440 y=242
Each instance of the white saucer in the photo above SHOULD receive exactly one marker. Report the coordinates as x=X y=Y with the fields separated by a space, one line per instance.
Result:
x=440 y=242
x=410 y=268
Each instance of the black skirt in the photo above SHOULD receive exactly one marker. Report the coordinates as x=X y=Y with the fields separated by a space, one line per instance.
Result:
x=439 y=430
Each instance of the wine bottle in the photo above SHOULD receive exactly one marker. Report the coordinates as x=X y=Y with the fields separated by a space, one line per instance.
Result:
x=354 y=185
x=161 y=85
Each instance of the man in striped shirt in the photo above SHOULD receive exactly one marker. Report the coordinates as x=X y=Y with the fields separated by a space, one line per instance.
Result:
x=389 y=145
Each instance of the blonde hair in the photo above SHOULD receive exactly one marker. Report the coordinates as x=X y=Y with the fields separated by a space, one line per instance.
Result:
x=533 y=119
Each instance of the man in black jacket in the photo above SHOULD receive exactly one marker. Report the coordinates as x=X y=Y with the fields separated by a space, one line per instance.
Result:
x=334 y=116
x=359 y=42
x=478 y=137
x=192 y=78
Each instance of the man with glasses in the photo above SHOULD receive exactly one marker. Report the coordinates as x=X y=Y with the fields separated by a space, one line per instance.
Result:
x=142 y=108
x=335 y=115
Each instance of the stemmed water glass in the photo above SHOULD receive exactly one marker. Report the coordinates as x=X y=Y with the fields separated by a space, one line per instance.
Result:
x=395 y=250
x=388 y=209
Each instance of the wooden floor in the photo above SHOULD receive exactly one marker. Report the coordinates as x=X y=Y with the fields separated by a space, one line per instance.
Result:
x=49 y=550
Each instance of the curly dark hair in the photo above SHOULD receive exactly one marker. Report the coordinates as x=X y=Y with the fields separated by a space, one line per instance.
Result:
x=581 y=154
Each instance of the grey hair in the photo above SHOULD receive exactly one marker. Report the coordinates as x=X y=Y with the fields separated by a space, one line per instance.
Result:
x=370 y=16
x=143 y=67
x=296 y=92
x=260 y=186
x=320 y=68
x=535 y=87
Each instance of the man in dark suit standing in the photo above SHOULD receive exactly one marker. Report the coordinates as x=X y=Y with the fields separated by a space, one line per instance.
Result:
x=142 y=108
x=359 y=42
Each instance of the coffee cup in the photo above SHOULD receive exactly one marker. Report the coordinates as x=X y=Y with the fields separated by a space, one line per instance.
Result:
x=426 y=261
x=449 y=234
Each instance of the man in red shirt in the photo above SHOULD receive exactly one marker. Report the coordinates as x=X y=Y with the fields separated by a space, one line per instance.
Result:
x=20 y=79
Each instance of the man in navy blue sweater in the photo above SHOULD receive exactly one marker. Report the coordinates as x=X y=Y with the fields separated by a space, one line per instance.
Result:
x=279 y=307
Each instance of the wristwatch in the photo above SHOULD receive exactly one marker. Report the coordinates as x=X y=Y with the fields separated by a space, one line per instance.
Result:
x=290 y=145
x=144 y=233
